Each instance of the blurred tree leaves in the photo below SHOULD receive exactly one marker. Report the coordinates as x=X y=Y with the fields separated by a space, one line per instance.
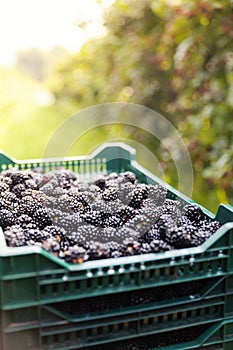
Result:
x=176 y=58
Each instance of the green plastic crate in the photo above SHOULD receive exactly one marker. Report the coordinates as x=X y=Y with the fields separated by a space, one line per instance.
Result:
x=38 y=290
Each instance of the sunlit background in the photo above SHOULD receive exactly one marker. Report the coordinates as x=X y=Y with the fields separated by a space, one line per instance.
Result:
x=176 y=57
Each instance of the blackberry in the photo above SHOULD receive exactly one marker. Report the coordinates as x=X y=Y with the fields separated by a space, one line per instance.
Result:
x=100 y=182
x=157 y=194
x=145 y=248
x=125 y=212
x=113 y=206
x=75 y=254
x=69 y=223
x=51 y=245
x=100 y=206
x=55 y=215
x=92 y=217
x=209 y=226
x=24 y=220
x=130 y=247
x=137 y=196
x=125 y=192
x=41 y=217
x=199 y=237
x=193 y=213
x=3 y=187
x=125 y=232
x=107 y=234
x=9 y=200
x=158 y=245
x=113 y=221
x=14 y=236
x=36 y=235
x=182 y=236
x=140 y=224
x=97 y=250
x=128 y=176
x=84 y=234
x=55 y=231
x=152 y=234
x=6 y=218
x=31 y=184
x=110 y=194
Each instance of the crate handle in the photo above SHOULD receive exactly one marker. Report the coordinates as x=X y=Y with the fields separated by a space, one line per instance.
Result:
x=224 y=213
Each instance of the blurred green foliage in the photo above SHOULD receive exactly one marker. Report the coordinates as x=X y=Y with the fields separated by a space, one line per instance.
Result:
x=175 y=57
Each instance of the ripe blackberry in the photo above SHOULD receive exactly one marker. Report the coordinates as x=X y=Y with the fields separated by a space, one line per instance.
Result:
x=157 y=194
x=24 y=220
x=55 y=231
x=126 y=212
x=16 y=176
x=97 y=250
x=100 y=182
x=14 y=236
x=51 y=245
x=193 y=213
x=145 y=248
x=158 y=245
x=6 y=218
x=84 y=234
x=18 y=190
x=41 y=217
x=92 y=217
x=75 y=254
x=140 y=224
x=100 y=206
x=199 y=237
x=3 y=186
x=31 y=184
x=152 y=234
x=137 y=196
x=125 y=192
x=69 y=223
x=182 y=236
x=130 y=247
x=105 y=234
x=112 y=221
x=128 y=176
x=9 y=200
x=29 y=206
x=209 y=226
x=110 y=194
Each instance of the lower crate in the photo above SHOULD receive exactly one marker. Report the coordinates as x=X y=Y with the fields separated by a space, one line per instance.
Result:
x=216 y=335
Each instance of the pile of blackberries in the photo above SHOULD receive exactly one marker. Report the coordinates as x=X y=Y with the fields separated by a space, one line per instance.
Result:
x=110 y=217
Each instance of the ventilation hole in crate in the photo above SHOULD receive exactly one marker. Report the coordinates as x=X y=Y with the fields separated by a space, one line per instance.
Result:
x=179 y=315
x=170 y=317
x=66 y=287
x=4 y=167
x=55 y=338
x=180 y=271
x=54 y=288
x=198 y=312
x=110 y=280
x=89 y=283
x=200 y=267
x=100 y=281
x=160 y=319
x=210 y=267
